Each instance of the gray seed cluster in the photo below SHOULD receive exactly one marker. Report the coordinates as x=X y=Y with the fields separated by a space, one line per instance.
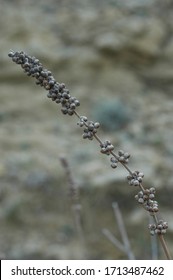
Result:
x=90 y=127
x=57 y=91
x=123 y=157
x=82 y=121
x=135 y=179
x=160 y=228
x=106 y=147
x=146 y=198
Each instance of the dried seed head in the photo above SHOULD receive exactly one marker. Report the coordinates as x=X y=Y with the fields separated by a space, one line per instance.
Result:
x=135 y=178
x=106 y=147
x=32 y=67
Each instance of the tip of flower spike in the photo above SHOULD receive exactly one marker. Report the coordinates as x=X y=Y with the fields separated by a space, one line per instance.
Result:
x=11 y=53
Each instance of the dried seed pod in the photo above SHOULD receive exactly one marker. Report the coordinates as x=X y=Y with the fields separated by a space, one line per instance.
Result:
x=110 y=147
x=121 y=158
x=65 y=95
x=152 y=232
x=152 y=190
x=96 y=125
x=126 y=155
x=91 y=126
x=140 y=194
x=165 y=225
x=151 y=196
x=114 y=165
x=84 y=118
x=72 y=106
x=155 y=209
x=152 y=226
x=113 y=159
x=85 y=135
x=80 y=123
x=159 y=226
x=121 y=153
x=51 y=82
x=44 y=74
x=57 y=100
x=64 y=110
x=134 y=182
x=103 y=150
x=146 y=192
x=114 y=162
x=141 y=200
x=77 y=103
x=11 y=54
x=70 y=112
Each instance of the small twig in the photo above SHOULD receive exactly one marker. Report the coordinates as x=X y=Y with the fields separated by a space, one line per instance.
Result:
x=74 y=196
x=72 y=186
x=77 y=216
x=123 y=231
x=125 y=246
x=114 y=240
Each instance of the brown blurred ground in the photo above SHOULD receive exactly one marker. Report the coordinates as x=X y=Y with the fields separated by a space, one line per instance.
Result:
x=106 y=52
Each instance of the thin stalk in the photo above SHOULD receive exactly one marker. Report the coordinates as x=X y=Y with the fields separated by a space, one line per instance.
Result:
x=164 y=246
x=123 y=231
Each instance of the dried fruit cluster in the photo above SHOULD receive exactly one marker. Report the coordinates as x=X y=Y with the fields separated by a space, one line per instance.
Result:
x=159 y=228
x=146 y=199
x=57 y=91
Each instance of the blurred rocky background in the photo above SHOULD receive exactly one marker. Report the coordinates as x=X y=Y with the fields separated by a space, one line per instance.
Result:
x=116 y=57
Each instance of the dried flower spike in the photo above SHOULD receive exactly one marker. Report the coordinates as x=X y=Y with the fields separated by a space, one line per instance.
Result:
x=61 y=95
x=57 y=91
